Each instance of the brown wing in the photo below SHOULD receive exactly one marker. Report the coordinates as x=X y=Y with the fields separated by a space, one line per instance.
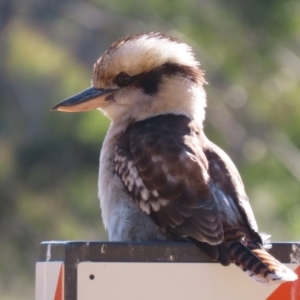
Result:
x=162 y=165
x=229 y=192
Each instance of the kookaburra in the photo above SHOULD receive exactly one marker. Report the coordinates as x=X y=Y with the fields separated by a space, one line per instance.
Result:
x=160 y=178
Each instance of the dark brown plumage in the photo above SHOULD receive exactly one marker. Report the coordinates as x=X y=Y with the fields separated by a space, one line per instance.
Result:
x=184 y=183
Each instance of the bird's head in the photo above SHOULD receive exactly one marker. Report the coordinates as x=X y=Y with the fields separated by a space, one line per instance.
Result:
x=143 y=76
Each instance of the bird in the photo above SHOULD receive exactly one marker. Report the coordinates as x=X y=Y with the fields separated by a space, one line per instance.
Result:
x=160 y=177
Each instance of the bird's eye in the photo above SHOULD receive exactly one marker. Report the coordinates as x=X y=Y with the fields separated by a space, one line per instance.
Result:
x=123 y=79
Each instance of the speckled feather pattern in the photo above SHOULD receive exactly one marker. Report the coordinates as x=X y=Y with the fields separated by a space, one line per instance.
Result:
x=162 y=164
x=190 y=188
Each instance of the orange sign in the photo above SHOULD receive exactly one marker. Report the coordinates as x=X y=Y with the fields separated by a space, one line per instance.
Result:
x=288 y=290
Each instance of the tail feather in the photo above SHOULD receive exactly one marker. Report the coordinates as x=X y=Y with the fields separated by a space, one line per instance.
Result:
x=259 y=264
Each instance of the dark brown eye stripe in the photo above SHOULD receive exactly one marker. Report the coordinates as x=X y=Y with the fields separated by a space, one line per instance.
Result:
x=151 y=80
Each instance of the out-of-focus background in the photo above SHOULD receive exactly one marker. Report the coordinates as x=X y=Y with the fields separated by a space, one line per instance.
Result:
x=49 y=160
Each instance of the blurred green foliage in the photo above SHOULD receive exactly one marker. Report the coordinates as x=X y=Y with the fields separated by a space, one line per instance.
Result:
x=49 y=161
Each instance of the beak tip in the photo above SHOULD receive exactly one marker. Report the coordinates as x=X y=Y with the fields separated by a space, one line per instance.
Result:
x=54 y=108
x=81 y=101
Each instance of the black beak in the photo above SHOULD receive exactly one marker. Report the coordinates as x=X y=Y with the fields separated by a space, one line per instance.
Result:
x=88 y=99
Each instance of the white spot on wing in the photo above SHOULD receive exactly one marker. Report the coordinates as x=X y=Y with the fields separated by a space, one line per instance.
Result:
x=145 y=206
x=145 y=194
x=163 y=202
x=138 y=182
x=155 y=193
x=155 y=205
